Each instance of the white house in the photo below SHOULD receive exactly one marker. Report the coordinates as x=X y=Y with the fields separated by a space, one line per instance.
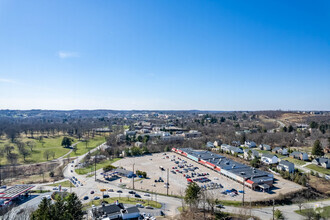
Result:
x=269 y=158
x=284 y=151
x=217 y=143
x=253 y=154
x=322 y=161
x=250 y=144
x=286 y=166
x=264 y=147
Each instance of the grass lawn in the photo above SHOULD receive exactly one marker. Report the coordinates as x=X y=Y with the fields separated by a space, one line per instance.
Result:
x=325 y=212
x=230 y=203
x=125 y=200
x=318 y=169
x=66 y=183
x=85 y=170
x=295 y=161
x=93 y=143
x=37 y=153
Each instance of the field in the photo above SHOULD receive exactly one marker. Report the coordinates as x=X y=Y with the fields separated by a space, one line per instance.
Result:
x=100 y=165
x=318 y=169
x=37 y=153
x=150 y=164
x=51 y=143
x=82 y=149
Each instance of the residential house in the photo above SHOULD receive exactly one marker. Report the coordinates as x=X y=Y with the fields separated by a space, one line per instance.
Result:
x=286 y=166
x=322 y=161
x=231 y=149
x=276 y=150
x=129 y=133
x=209 y=144
x=234 y=150
x=253 y=154
x=264 y=147
x=250 y=144
x=299 y=155
x=269 y=158
x=217 y=143
x=192 y=134
x=284 y=151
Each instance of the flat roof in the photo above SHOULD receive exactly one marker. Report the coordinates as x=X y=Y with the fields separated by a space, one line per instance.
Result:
x=15 y=191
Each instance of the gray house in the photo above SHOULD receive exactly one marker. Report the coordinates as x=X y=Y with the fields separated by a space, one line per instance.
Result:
x=286 y=166
x=264 y=147
x=322 y=161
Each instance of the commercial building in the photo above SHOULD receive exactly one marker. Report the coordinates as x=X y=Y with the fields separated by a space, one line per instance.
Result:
x=249 y=176
x=115 y=211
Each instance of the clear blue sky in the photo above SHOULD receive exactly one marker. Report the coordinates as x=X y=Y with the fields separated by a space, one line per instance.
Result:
x=162 y=54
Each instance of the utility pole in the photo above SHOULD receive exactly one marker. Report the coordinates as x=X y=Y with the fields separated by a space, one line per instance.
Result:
x=167 y=185
x=133 y=175
x=243 y=191
x=95 y=166
x=273 y=208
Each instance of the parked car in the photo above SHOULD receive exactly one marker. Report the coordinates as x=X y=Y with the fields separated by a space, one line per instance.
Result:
x=110 y=190
x=119 y=191
x=149 y=207
x=96 y=198
x=92 y=192
x=106 y=196
x=131 y=192
x=137 y=196
x=220 y=206
x=147 y=194
x=86 y=198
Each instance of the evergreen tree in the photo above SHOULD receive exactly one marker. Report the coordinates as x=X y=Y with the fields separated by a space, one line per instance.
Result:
x=317 y=148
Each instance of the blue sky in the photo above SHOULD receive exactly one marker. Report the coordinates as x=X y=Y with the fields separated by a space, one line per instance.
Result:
x=156 y=54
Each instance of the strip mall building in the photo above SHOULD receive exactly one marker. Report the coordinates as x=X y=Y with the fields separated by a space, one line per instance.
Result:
x=251 y=177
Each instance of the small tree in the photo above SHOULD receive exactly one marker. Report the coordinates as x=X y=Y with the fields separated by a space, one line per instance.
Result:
x=278 y=214
x=31 y=145
x=47 y=154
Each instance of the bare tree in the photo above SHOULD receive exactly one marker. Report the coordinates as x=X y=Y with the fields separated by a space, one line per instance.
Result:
x=31 y=145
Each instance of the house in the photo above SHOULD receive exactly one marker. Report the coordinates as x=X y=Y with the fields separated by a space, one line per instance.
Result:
x=253 y=154
x=250 y=144
x=264 y=147
x=322 y=161
x=217 y=143
x=231 y=149
x=234 y=150
x=284 y=151
x=192 y=134
x=276 y=150
x=286 y=166
x=269 y=158
x=129 y=133
x=209 y=144
x=299 y=155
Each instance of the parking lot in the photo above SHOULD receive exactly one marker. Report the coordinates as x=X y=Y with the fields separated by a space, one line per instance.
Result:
x=156 y=166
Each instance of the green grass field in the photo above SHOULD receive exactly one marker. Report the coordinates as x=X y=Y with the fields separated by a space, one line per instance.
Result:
x=325 y=212
x=88 y=169
x=318 y=169
x=52 y=144
x=295 y=161
x=82 y=149
x=125 y=200
x=37 y=154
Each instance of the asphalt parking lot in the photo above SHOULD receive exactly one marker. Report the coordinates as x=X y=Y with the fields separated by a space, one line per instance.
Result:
x=152 y=164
